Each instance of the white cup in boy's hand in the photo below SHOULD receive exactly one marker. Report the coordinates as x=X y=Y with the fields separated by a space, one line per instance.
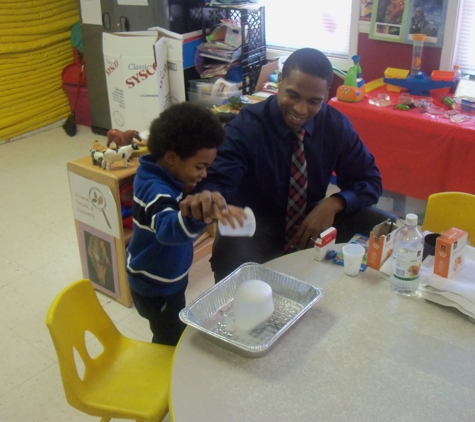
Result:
x=247 y=229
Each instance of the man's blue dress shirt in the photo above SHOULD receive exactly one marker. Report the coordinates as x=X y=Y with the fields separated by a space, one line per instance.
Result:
x=252 y=167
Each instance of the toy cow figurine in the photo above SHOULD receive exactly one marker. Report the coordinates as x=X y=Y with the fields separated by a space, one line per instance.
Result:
x=97 y=157
x=123 y=153
x=120 y=138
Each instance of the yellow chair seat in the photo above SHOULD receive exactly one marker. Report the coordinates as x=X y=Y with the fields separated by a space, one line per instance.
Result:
x=128 y=379
x=450 y=209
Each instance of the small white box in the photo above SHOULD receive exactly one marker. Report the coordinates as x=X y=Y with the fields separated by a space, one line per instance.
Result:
x=324 y=243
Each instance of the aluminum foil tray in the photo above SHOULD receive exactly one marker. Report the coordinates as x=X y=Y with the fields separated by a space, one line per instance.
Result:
x=213 y=314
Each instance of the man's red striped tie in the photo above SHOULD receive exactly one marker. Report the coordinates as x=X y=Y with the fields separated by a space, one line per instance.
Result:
x=297 y=201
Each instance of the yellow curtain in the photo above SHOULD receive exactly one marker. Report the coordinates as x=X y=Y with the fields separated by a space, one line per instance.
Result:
x=35 y=46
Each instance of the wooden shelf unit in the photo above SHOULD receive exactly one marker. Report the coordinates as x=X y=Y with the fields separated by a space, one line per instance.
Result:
x=115 y=179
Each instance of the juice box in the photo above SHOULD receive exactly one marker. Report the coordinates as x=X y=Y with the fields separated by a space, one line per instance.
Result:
x=381 y=242
x=450 y=252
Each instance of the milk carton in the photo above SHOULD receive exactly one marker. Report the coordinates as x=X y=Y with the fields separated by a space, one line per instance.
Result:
x=324 y=243
x=450 y=252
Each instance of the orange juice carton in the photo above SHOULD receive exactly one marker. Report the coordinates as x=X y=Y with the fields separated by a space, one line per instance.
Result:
x=381 y=242
x=324 y=243
x=450 y=252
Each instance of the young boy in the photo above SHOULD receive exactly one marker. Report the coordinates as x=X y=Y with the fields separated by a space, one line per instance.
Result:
x=183 y=143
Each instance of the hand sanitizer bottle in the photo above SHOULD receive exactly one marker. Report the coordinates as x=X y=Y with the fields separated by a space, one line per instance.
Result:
x=407 y=258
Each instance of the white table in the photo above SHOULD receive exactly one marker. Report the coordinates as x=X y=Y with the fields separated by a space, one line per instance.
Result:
x=361 y=353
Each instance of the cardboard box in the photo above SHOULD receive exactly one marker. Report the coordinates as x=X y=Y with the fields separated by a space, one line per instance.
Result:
x=179 y=55
x=381 y=242
x=450 y=252
x=145 y=73
x=324 y=243
x=131 y=79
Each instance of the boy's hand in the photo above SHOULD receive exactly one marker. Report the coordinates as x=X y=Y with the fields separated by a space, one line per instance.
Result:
x=209 y=206
x=206 y=206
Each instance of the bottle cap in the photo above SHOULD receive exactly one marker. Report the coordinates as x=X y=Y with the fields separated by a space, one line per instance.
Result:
x=419 y=37
x=411 y=219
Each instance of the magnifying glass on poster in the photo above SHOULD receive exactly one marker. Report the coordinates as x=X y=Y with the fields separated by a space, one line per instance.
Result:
x=99 y=201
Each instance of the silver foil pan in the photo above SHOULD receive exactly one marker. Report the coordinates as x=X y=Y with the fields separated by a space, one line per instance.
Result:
x=212 y=313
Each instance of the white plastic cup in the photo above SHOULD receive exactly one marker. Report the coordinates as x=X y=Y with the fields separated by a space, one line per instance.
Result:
x=248 y=229
x=253 y=304
x=352 y=258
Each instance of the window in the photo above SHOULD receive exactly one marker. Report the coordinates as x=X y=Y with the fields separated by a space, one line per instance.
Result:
x=330 y=26
x=464 y=52
x=459 y=39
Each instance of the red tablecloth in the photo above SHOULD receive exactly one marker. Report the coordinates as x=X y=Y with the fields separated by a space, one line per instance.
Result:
x=417 y=155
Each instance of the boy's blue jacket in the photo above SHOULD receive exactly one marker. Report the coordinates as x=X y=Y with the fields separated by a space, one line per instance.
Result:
x=160 y=253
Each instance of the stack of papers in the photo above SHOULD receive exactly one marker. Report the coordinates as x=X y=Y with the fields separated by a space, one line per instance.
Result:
x=457 y=291
x=224 y=43
x=220 y=51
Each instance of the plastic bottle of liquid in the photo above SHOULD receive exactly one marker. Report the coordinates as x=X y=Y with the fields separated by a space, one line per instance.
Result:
x=407 y=258
x=458 y=76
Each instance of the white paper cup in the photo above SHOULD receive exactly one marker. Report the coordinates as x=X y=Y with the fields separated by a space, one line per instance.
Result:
x=352 y=258
x=248 y=229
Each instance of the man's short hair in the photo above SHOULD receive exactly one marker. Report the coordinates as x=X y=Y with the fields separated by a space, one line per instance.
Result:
x=310 y=61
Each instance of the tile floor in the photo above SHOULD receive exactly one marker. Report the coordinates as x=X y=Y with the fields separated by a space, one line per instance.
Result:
x=39 y=256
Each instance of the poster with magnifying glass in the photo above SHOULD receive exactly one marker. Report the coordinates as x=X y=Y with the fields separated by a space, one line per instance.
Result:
x=94 y=205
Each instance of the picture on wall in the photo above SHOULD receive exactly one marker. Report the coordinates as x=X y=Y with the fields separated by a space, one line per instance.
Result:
x=98 y=259
x=388 y=20
x=427 y=17
x=397 y=20
x=366 y=9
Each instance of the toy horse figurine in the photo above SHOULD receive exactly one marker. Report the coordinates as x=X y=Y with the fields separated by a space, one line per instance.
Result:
x=121 y=139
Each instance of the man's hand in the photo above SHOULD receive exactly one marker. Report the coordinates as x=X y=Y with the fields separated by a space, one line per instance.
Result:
x=234 y=214
x=317 y=221
x=209 y=206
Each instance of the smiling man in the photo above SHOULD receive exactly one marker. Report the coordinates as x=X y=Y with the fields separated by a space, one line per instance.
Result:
x=254 y=165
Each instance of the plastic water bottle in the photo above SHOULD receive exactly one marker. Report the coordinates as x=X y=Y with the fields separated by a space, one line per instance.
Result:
x=407 y=258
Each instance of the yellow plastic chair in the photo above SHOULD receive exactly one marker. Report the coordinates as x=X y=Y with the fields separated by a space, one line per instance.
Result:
x=128 y=379
x=450 y=209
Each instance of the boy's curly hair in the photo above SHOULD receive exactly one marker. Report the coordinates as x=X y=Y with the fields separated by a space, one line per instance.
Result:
x=184 y=128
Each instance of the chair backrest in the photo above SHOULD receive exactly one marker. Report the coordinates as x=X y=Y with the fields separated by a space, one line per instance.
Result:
x=450 y=209
x=74 y=312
